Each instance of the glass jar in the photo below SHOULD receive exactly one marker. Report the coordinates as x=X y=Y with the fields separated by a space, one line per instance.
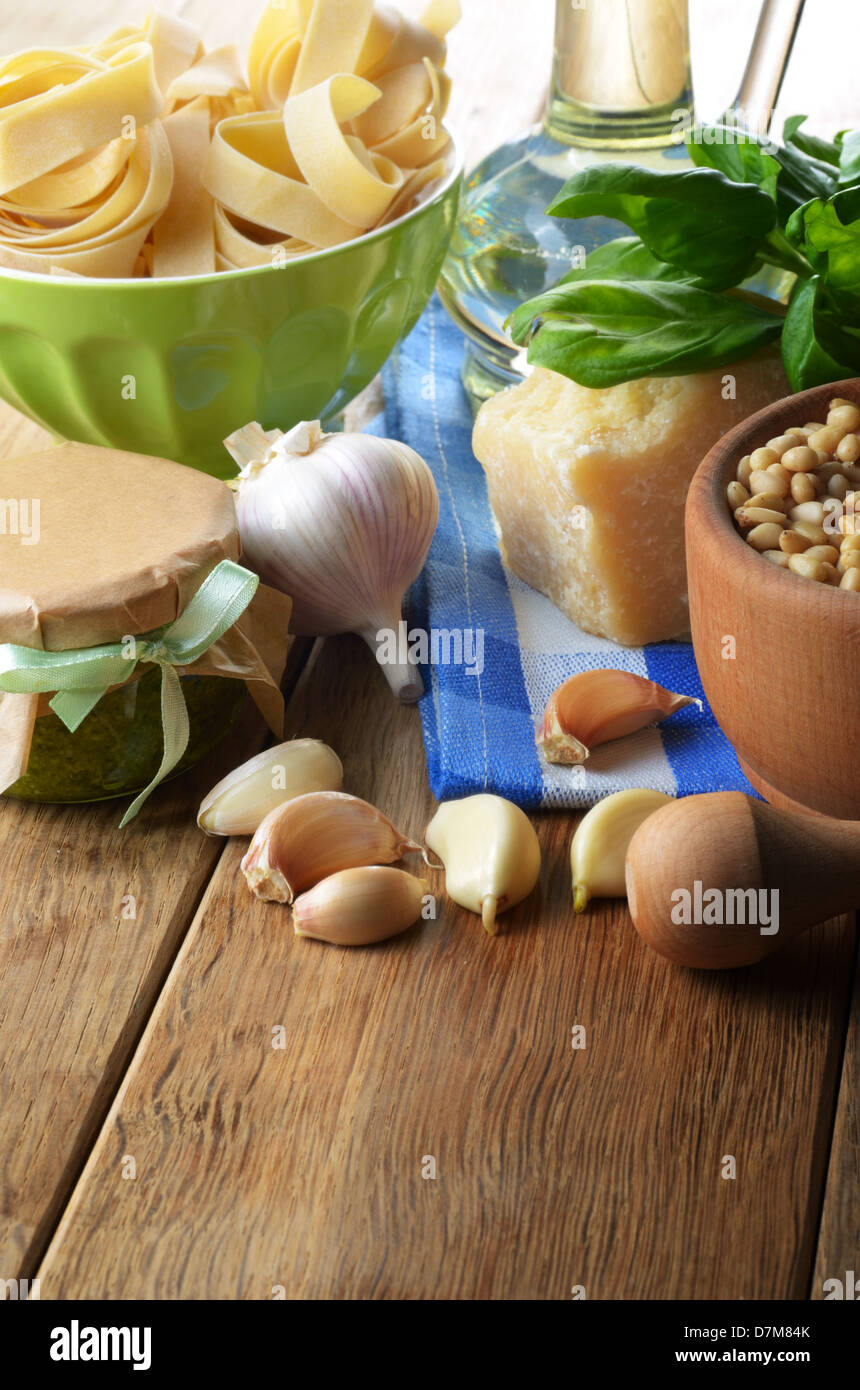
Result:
x=117 y=749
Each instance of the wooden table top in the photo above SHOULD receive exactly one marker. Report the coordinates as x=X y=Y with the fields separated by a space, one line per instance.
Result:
x=154 y=1142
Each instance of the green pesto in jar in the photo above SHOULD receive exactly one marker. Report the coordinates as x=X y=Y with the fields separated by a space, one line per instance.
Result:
x=117 y=750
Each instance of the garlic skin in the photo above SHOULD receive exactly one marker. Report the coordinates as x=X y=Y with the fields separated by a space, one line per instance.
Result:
x=602 y=838
x=490 y=852
x=242 y=799
x=360 y=906
x=596 y=706
x=309 y=838
x=340 y=522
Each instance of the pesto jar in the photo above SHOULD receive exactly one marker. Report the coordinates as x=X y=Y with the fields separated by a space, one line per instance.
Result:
x=117 y=750
x=130 y=634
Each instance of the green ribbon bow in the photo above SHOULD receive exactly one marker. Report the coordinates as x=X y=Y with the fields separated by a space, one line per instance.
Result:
x=81 y=677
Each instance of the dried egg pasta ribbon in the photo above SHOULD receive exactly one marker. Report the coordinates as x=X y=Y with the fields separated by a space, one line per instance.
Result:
x=332 y=41
x=108 y=239
x=184 y=235
x=215 y=74
x=80 y=181
x=410 y=42
x=48 y=117
x=358 y=186
x=273 y=56
x=415 y=183
x=238 y=250
x=405 y=125
x=251 y=172
x=175 y=43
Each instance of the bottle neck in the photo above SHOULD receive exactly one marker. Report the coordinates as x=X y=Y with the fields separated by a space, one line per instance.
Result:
x=621 y=76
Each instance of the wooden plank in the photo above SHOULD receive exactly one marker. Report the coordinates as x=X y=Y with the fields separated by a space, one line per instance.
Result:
x=556 y=1167
x=78 y=978
x=838 y=1254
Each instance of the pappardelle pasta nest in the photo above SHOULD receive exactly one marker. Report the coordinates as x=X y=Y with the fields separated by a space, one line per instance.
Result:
x=145 y=155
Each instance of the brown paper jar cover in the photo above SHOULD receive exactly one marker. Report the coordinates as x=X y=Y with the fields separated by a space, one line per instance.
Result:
x=122 y=543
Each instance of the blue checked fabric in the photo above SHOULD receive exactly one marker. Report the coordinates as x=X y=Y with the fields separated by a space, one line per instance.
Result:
x=479 y=730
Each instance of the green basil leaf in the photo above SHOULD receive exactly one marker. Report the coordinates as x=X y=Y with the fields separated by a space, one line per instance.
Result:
x=816 y=348
x=789 y=175
x=826 y=151
x=696 y=219
x=601 y=332
x=626 y=258
x=849 y=162
x=828 y=234
x=736 y=154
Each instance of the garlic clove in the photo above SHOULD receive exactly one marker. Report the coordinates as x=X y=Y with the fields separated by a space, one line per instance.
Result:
x=243 y=798
x=595 y=706
x=490 y=852
x=360 y=906
x=313 y=836
x=599 y=847
x=340 y=522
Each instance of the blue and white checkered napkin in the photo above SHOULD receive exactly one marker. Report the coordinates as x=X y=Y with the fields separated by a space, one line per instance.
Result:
x=479 y=730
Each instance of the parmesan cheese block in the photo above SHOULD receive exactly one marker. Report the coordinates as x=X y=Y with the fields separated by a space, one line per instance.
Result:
x=588 y=487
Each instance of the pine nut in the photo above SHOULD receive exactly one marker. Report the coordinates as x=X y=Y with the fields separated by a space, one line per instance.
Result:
x=776 y=557
x=769 y=499
x=808 y=511
x=827 y=553
x=737 y=495
x=803 y=487
x=810 y=569
x=793 y=543
x=765 y=537
x=761 y=481
x=758 y=516
x=826 y=439
x=781 y=443
x=848 y=449
x=816 y=535
x=744 y=470
x=843 y=417
x=851 y=581
x=763 y=458
x=800 y=459
x=838 y=485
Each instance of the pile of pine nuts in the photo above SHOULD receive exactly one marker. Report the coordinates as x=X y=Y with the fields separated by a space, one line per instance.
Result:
x=797 y=498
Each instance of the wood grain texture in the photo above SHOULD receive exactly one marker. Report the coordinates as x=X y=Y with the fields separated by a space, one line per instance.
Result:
x=839 y=1240
x=556 y=1167
x=78 y=978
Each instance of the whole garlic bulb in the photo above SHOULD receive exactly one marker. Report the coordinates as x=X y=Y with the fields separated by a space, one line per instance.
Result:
x=340 y=522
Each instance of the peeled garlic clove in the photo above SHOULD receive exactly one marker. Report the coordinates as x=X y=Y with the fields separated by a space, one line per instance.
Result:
x=359 y=906
x=342 y=523
x=243 y=798
x=490 y=852
x=600 y=844
x=312 y=836
x=596 y=706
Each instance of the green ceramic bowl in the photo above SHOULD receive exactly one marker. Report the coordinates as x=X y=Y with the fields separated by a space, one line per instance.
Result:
x=170 y=367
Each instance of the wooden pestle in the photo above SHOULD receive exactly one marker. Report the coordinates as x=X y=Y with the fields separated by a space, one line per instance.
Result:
x=727 y=841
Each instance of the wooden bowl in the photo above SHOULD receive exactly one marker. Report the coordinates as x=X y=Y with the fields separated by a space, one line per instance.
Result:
x=779 y=655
